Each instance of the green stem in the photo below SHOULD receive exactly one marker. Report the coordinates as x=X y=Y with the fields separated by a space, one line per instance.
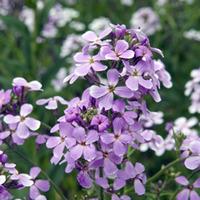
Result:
x=46 y=125
x=159 y=173
x=57 y=189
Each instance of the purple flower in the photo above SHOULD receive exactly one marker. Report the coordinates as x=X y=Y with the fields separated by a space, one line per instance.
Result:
x=25 y=123
x=105 y=94
x=120 y=52
x=52 y=103
x=85 y=63
x=58 y=143
x=5 y=97
x=38 y=185
x=92 y=37
x=30 y=86
x=84 y=179
x=119 y=138
x=136 y=76
x=143 y=52
x=192 y=162
x=84 y=144
x=188 y=193
x=101 y=121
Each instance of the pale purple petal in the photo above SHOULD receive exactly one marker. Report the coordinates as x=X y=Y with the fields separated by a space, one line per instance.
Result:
x=111 y=56
x=82 y=70
x=34 y=85
x=196 y=184
x=183 y=195
x=34 y=192
x=26 y=109
x=113 y=77
x=145 y=83
x=84 y=179
x=123 y=92
x=139 y=187
x=89 y=153
x=194 y=195
x=107 y=138
x=98 y=92
x=121 y=46
x=42 y=101
x=22 y=131
x=34 y=172
x=81 y=58
x=90 y=36
x=182 y=180
x=192 y=162
x=105 y=32
x=92 y=137
x=118 y=184
x=127 y=54
x=132 y=83
x=103 y=182
x=43 y=185
x=79 y=134
x=52 y=105
x=10 y=119
x=32 y=124
x=106 y=101
x=119 y=148
x=110 y=168
x=76 y=152
x=97 y=66
x=53 y=142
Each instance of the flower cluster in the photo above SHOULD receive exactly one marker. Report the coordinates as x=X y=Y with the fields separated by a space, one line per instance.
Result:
x=99 y=131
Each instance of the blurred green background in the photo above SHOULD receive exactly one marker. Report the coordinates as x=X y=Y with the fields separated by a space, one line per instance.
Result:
x=27 y=51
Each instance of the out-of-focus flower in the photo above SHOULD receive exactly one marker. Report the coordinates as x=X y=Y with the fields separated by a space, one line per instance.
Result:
x=27 y=15
x=192 y=89
x=99 y=24
x=123 y=197
x=146 y=19
x=185 y=126
x=188 y=193
x=71 y=44
x=25 y=124
x=52 y=102
x=57 y=82
x=127 y=2
x=77 y=26
x=192 y=34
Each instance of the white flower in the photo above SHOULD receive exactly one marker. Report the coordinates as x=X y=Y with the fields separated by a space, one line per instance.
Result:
x=127 y=2
x=77 y=26
x=185 y=126
x=27 y=15
x=57 y=82
x=71 y=44
x=146 y=19
x=192 y=34
x=99 y=24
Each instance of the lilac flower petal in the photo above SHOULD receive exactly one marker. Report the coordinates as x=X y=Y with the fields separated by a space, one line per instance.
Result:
x=110 y=168
x=90 y=36
x=53 y=142
x=81 y=58
x=111 y=56
x=89 y=153
x=76 y=152
x=115 y=197
x=107 y=138
x=97 y=66
x=196 y=184
x=113 y=77
x=106 y=101
x=119 y=148
x=10 y=119
x=121 y=46
x=105 y=32
x=145 y=83
x=192 y=162
x=92 y=137
x=18 y=81
x=4 y=134
x=132 y=83
x=103 y=182
x=79 y=134
x=194 y=147
x=34 y=192
x=98 y=92
x=42 y=101
x=183 y=195
x=139 y=168
x=34 y=172
x=194 y=195
x=127 y=54
x=35 y=85
x=123 y=92
x=82 y=70
x=182 y=180
x=32 y=124
x=70 y=142
x=84 y=179
x=139 y=187
x=52 y=105
x=119 y=183
x=61 y=100
x=130 y=170
x=43 y=185
x=22 y=131
x=26 y=109
x=58 y=150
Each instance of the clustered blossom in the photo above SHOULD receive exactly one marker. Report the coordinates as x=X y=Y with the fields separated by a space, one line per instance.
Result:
x=98 y=130
x=11 y=179
x=192 y=89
